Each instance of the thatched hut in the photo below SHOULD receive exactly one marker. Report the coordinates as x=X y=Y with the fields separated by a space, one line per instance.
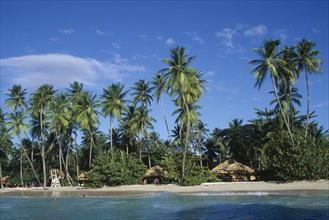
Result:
x=232 y=170
x=155 y=175
x=5 y=180
x=81 y=179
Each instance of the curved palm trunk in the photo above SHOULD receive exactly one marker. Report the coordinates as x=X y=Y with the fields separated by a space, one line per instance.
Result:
x=283 y=116
x=165 y=118
x=31 y=164
x=308 y=104
x=68 y=176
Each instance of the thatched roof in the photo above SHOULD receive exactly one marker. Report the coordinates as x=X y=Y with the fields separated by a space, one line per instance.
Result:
x=231 y=165
x=82 y=177
x=5 y=178
x=156 y=171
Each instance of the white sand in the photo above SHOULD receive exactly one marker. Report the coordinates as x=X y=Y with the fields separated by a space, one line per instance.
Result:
x=322 y=185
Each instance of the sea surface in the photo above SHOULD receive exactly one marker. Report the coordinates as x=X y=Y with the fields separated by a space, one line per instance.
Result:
x=229 y=205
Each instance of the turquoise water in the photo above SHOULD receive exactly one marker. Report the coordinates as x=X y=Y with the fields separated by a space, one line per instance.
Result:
x=253 y=205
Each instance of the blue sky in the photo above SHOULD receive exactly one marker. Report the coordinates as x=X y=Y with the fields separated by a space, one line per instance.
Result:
x=102 y=42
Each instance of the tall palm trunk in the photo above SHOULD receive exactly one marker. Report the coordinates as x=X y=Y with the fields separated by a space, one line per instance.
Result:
x=59 y=153
x=283 y=116
x=165 y=118
x=111 y=135
x=199 y=146
x=43 y=151
x=67 y=160
x=1 y=183
x=21 y=164
x=76 y=154
x=187 y=135
x=308 y=104
x=91 y=148
x=149 y=159
x=31 y=164
x=291 y=109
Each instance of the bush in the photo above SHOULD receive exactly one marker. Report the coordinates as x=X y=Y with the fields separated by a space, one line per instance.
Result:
x=121 y=170
x=305 y=160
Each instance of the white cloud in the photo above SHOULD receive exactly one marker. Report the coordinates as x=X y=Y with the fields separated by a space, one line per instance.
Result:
x=143 y=37
x=54 y=39
x=116 y=45
x=209 y=73
x=66 y=31
x=316 y=31
x=218 y=86
x=282 y=34
x=321 y=104
x=99 y=32
x=259 y=30
x=62 y=69
x=226 y=35
x=195 y=37
x=170 y=42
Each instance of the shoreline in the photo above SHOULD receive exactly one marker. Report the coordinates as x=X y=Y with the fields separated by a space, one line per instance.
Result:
x=130 y=190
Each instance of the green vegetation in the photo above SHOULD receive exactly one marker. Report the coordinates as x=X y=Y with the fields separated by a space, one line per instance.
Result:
x=280 y=143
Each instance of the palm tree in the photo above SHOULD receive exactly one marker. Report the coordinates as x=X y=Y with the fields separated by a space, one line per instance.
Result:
x=271 y=62
x=154 y=143
x=113 y=105
x=87 y=115
x=308 y=62
x=159 y=84
x=235 y=123
x=74 y=90
x=39 y=102
x=142 y=122
x=201 y=133
x=142 y=91
x=178 y=74
x=59 y=123
x=289 y=55
x=128 y=128
x=16 y=98
x=5 y=142
x=288 y=96
x=17 y=126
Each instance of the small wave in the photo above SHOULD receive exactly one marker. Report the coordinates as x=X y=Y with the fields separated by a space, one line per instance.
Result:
x=233 y=194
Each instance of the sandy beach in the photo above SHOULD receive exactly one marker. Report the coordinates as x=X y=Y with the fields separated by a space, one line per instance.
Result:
x=322 y=185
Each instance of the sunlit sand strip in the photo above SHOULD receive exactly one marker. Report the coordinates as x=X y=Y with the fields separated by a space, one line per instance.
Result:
x=322 y=185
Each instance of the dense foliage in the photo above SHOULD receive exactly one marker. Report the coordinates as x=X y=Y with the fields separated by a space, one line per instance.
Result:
x=280 y=143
